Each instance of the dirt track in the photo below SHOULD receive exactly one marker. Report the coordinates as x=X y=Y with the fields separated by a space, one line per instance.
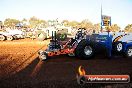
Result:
x=14 y=53
x=20 y=67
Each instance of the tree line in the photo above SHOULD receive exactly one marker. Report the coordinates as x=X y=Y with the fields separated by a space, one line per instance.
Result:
x=35 y=22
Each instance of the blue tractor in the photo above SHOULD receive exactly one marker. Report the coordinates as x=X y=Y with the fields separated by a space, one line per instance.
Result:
x=112 y=43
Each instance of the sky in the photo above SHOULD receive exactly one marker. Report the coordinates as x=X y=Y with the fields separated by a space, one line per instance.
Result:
x=119 y=10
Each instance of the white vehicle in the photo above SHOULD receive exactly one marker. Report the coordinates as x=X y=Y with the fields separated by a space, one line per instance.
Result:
x=11 y=35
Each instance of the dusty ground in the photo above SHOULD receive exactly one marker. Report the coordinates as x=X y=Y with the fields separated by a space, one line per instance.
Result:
x=21 y=68
x=15 y=55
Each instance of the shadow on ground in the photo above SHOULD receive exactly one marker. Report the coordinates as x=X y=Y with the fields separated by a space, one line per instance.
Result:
x=60 y=72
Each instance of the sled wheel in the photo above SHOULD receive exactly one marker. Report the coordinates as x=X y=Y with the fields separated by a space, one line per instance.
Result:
x=42 y=56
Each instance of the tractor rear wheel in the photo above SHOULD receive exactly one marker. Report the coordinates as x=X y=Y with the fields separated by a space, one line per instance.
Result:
x=2 y=37
x=85 y=50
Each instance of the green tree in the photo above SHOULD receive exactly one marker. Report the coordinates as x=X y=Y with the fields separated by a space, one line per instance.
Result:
x=128 y=28
x=73 y=23
x=87 y=24
x=11 y=22
x=35 y=22
x=1 y=24
x=114 y=28
x=25 y=22
x=42 y=23
x=97 y=27
x=65 y=22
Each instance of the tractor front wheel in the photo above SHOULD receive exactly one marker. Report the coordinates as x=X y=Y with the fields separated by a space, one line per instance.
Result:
x=128 y=52
x=118 y=47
